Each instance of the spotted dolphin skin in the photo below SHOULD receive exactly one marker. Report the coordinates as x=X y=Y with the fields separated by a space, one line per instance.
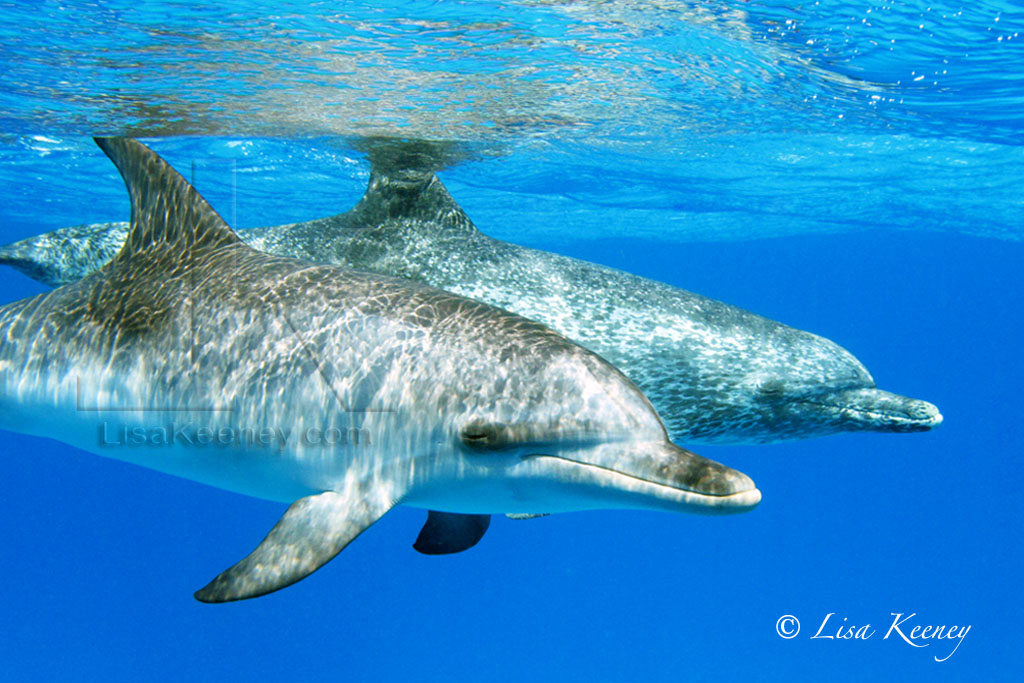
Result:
x=714 y=372
x=347 y=393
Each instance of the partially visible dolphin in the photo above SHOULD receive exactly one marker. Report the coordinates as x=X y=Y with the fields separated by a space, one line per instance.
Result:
x=715 y=372
x=347 y=393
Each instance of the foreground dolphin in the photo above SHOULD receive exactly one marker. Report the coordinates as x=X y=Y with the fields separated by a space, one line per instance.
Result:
x=347 y=393
x=715 y=373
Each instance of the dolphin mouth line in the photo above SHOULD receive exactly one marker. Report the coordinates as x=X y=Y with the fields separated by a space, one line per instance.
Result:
x=742 y=499
x=874 y=414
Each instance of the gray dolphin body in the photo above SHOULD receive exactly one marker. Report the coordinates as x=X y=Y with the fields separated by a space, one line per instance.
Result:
x=194 y=354
x=714 y=372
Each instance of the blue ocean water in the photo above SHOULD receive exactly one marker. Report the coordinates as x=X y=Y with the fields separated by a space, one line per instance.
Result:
x=849 y=169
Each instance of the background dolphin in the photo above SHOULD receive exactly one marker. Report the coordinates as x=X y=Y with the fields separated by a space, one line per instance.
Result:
x=194 y=354
x=715 y=372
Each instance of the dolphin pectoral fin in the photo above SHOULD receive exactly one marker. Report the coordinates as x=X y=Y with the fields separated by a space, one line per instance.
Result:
x=310 y=534
x=448 y=532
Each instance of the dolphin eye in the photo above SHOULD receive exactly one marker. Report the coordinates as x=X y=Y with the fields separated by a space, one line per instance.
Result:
x=485 y=436
x=773 y=388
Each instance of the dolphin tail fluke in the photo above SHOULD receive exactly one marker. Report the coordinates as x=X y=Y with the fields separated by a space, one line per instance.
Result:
x=21 y=257
x=447 y=532
x=310 y=534
x=62 y=256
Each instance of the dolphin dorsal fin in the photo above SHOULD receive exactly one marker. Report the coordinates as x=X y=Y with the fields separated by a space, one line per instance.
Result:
x=410 y=195
x=404 y=187
x=168 y=214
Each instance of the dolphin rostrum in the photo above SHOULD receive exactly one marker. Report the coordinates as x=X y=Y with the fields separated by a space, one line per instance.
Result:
x=714 y=372
x=340 y=392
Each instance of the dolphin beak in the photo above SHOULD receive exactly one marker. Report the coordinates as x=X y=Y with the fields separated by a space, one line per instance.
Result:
x=876 y=410
x=708 y=483
x=660 y=475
